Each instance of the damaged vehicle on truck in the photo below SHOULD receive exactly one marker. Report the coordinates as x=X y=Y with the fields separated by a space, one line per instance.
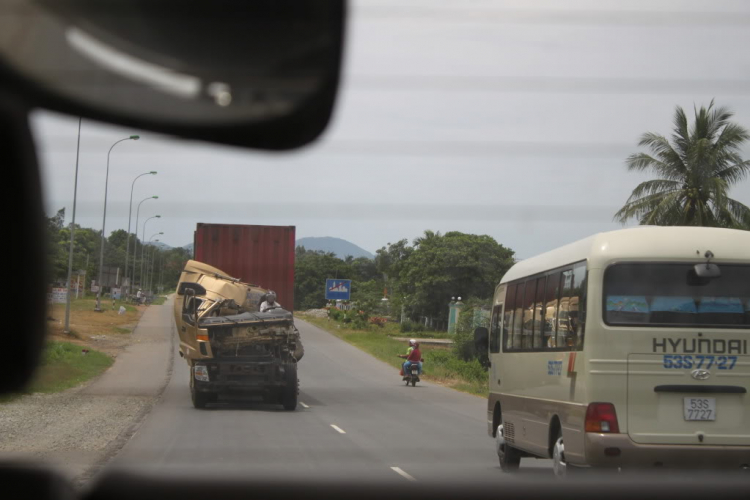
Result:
x=231 y=347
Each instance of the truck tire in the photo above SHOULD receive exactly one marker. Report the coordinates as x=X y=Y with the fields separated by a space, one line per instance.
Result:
x=200 y=399
x=289 y=393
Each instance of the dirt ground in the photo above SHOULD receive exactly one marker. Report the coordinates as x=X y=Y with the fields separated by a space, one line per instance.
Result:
x=106 y=331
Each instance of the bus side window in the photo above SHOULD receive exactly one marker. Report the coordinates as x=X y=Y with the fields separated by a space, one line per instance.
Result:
x=527 y=330
x=495 y=328
x=578 y=307
x=563 y=313
x=539 y=312
x=510 y=305
x=518 y=317
x=550 y=316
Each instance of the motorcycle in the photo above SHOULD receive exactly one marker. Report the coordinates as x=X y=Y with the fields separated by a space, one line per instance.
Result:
x=411 y=376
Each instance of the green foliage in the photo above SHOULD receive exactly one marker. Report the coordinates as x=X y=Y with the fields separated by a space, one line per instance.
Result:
x=313 y=268
x=166 y=264
x=420 y=279
x=412 y=327
x=471 y=317
x=378 y=321
x=63 y=366
x=439 y=267
x=696 y=168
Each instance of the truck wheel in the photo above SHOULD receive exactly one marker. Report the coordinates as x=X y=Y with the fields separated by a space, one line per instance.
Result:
x=289 y=393
x=200 y=399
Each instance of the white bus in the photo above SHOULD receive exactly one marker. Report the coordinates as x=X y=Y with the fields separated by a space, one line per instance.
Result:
x=626 y=349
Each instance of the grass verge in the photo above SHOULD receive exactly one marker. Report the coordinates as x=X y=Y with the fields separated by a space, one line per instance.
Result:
x=64 y=366
x=159 y=300
x=441 y=365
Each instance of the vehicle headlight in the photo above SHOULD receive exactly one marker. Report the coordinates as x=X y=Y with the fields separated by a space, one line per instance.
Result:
x=201 y=373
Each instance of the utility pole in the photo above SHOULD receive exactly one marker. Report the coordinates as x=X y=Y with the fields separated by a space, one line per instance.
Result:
x=72 y=234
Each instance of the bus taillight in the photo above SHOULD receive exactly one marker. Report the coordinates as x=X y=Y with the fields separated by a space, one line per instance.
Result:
x=601 y=417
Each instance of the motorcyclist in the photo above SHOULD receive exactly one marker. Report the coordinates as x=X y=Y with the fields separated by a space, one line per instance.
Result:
x=413 y=355
x=270 y=302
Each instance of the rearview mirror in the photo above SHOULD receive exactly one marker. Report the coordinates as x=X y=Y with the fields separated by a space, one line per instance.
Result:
x=260 y=74
x=481 y=339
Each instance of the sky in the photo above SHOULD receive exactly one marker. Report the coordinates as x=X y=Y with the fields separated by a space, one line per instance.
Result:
x=506 y=118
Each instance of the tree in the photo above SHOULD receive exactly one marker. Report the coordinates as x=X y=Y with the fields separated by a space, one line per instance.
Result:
x=454 y=264
x=57 y=253
x=695 y=169
x=311 y=269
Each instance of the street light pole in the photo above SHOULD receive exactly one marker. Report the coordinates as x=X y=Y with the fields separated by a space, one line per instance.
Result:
x=130 y=214
x=135 y=245
x=148 y=276
x=161 y=273
x=143 y=246
x=72 y=235
x=150 y=258
x=104 y=220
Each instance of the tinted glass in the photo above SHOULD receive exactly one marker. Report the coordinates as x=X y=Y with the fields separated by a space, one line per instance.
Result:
x=539 y=312
x=497 y=316
x=577 y=312
x=518 y=317
x=672 y=294
x=527 y=331
x=563 y=312
x=510 y=304
x=550 y=313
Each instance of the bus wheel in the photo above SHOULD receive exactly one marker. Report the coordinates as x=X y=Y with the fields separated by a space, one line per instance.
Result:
x=559 y=465
x=509 y=457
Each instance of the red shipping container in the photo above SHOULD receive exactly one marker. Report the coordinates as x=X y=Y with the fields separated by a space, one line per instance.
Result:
x=259 y=255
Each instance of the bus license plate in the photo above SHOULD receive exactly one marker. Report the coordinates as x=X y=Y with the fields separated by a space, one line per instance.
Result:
x=700 y=408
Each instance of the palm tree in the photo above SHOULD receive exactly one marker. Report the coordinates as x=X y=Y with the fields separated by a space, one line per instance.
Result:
x=695 y=169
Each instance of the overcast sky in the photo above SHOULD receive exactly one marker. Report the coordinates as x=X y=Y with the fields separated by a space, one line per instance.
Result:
x=507 y=118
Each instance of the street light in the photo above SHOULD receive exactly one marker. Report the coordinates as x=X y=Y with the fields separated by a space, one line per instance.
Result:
x=135 y=246
x=150 y=259
x=143 y=245
x=104 y=220
x=130 y=213
x=66 y=329
x=148 y=277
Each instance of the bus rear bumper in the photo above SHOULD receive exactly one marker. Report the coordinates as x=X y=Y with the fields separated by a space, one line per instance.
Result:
x=618 y=450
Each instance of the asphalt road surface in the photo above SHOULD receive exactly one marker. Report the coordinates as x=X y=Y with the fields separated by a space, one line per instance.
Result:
x=355 y=420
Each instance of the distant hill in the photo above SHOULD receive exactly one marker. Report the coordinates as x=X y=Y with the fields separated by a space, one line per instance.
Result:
x=340 y=247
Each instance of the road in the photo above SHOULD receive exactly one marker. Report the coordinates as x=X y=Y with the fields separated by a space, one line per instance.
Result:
x=356 y=420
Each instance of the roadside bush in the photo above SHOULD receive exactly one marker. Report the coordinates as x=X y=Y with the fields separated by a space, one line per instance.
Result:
x=359 y=323
x=412 y=326
x=463 y=342
x=471 y=371
x=378 y=321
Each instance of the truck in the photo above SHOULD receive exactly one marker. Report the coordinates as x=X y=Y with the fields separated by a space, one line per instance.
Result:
x=231 y=347
x=263 y=255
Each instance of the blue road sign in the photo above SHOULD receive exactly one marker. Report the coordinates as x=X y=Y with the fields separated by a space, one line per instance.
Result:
x=338 y=289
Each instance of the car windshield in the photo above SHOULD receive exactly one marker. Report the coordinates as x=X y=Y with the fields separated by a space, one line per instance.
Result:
x=467 y=138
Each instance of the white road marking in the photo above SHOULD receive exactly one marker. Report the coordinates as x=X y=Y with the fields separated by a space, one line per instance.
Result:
x=339 y=429
x=401 y=473
x=303 y=405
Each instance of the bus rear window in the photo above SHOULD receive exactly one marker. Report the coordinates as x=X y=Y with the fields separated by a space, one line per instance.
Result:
x=672 y=295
